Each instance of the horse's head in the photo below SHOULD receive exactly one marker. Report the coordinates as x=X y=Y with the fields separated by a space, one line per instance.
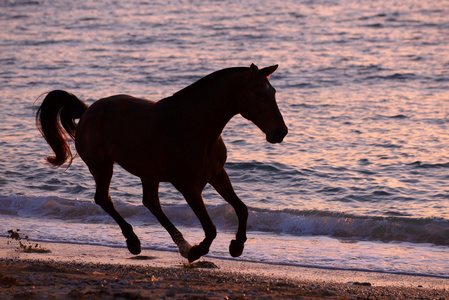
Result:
x=260 y=107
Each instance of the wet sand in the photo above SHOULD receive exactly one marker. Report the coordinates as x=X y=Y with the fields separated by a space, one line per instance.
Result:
x=72 y=271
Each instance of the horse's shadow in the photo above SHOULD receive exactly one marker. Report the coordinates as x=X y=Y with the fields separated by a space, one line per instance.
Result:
x=203 y=264
x=142 y=257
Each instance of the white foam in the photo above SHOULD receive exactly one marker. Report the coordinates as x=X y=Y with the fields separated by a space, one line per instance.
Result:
x=291 y=222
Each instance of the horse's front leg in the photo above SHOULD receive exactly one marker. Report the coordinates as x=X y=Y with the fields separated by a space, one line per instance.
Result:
x=223 y=186
x=195 y=201
x=151 y=201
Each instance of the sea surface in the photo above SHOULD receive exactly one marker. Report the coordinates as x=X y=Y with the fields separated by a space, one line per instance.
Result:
x=361 y=182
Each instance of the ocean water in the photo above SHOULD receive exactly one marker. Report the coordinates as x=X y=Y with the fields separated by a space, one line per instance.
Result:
x=360 y=182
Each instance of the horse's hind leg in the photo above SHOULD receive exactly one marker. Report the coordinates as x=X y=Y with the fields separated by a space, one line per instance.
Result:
x=195 y=201
x=223 y=186
x=102 y=174
x=151 y=201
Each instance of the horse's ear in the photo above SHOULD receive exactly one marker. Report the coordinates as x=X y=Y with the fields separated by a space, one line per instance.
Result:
x=268 y=71
x=253 y=70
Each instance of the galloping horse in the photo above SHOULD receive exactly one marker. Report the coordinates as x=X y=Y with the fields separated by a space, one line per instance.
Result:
x=176 y=140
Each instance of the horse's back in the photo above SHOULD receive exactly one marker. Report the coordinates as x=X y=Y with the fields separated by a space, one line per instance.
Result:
x=113 y=112
x=111 y=123
x=120 y=104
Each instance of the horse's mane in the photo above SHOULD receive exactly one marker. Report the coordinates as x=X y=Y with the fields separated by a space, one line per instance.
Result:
x=208 y=81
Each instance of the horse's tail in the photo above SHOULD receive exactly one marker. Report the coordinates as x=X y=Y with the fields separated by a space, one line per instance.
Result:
x=55 y=118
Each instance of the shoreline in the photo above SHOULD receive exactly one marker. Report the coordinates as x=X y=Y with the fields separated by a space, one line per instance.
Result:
x=73 y=271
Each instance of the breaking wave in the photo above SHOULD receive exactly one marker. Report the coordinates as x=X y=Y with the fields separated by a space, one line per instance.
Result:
x=287 y=221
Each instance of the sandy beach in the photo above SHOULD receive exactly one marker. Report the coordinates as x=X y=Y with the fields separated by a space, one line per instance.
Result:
x=72 y=271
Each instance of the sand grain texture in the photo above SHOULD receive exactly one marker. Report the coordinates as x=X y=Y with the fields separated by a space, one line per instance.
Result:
x=73 y=271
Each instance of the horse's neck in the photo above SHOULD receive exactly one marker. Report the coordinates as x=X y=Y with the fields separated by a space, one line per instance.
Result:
x=211 y=108
x=212 y=113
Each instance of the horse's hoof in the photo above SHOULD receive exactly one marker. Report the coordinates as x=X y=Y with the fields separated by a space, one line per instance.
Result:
x=195 y=253
x=236 y=248
x=133 y=244
x=184 y=249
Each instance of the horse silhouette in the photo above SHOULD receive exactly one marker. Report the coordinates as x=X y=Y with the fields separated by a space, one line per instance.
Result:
x=176 y=140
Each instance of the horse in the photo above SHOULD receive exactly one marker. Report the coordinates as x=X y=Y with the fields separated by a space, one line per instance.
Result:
x=176 y=139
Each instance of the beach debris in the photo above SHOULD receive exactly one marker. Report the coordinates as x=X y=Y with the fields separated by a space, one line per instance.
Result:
x=23 y=244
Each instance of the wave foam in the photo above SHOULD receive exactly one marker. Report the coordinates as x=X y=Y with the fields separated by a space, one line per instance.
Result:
x=292 y=222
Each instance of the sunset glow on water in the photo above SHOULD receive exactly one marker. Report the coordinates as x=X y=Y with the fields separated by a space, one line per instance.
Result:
x=363 y=87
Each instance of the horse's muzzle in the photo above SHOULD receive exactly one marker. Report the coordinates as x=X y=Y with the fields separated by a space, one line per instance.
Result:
x=277 y=136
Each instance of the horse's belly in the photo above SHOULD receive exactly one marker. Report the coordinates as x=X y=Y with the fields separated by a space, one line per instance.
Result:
x=144 y=168
x=172 y=166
